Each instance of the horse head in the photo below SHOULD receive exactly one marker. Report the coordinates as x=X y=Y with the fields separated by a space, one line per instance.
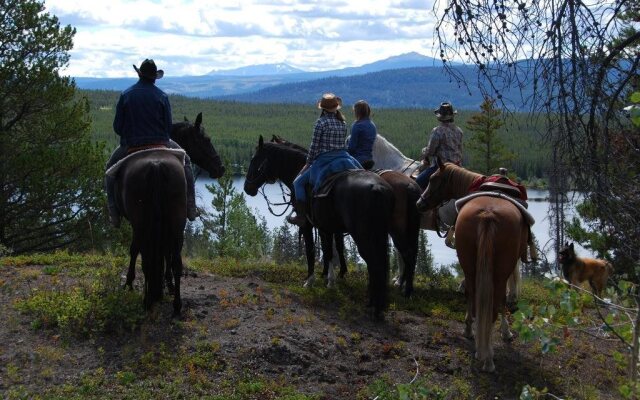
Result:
x=258 y=172
x=192 y=138
x=436 y=191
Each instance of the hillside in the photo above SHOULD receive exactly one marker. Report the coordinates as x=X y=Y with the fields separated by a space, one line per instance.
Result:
x=235 y=127
x=424 y=87
x=250 y=331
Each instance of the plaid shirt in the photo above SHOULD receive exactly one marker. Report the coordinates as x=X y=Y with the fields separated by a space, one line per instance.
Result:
x=329 y=133
x=445 y=142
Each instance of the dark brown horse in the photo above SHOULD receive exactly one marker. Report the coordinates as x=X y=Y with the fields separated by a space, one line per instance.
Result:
x=360 y=203
x=491 y=235
x=405 y=223
x=160 y=235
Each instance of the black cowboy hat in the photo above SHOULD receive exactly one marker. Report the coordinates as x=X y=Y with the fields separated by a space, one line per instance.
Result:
x=149 y=70
x=445 y=112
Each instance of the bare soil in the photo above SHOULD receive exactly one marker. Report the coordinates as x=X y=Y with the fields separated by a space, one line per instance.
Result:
x=269 y=332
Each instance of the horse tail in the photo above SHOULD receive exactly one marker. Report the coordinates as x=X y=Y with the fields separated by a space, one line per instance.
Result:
x=484 y=284
x=156 y=243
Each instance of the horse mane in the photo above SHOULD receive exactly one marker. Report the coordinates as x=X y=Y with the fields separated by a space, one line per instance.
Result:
x=381 y=144
x=177 y=127
x=287 y=149
x=459 y=178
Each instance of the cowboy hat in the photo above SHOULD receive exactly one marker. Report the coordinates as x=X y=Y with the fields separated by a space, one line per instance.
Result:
x=149 y=70
x=330 y=102
x=445 y=112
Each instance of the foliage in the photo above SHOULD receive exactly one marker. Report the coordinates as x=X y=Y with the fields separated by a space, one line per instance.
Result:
x=232 y=228
x=583 y=61
x=424 y=259
x=558 y=314
x=50 y=170
x=285 y=246
x=98 y=304
x=234 y=128
x=420 y=389
x=487 y=150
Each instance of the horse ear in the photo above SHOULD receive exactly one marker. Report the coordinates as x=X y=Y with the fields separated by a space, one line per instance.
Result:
x=198 y=120
x=440 y=163
x=260 y=141
x=274 y=139
x=571 y=246
x=185 y=119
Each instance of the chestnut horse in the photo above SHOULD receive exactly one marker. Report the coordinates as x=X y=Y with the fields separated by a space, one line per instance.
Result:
x=165 y=233
x=491 y=235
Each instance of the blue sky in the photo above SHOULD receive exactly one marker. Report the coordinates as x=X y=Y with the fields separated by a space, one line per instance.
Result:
x=193 y=37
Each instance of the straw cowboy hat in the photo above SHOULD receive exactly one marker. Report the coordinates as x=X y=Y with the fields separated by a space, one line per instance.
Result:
x=149 y=70
x=445 y=112
x=330 y=102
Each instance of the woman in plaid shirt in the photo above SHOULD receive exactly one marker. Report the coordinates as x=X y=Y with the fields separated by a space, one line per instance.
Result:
x=327 y=154
x=445 y=142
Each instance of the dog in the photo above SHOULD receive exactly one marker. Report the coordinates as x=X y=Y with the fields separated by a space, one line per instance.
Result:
x=577 y=270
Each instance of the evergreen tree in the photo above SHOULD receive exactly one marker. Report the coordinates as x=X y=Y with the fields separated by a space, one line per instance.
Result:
x=232 y=227
x=424 y=259
x=488 y=151
x=51 y=192
x=284 y=245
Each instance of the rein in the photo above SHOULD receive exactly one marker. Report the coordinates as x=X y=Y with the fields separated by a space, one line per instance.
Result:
x=285 y=201
x=408 y=166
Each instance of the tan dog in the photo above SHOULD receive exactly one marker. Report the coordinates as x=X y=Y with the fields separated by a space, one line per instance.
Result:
x=577 y=270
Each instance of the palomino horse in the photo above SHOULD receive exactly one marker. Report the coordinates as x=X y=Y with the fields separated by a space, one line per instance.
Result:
x=198 y=146
x=405 y=225
x=491 y=235
x=360 y=203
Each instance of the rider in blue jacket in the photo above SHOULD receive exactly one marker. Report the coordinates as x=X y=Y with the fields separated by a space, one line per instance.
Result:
x=143 y=119
x=363 y=134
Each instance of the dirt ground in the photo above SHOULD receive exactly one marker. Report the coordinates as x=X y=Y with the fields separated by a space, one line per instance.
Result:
x=263 y=330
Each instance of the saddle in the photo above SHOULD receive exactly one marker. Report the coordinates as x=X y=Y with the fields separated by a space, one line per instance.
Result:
x=502 y=184
x=113 y=172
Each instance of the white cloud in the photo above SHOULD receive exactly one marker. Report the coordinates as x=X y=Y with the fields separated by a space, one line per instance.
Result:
x=192 y=37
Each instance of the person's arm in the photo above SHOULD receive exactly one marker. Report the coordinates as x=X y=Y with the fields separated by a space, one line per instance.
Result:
x=167 y=116
x=118 y=120
x=353 y=138
x=315 y=142
x=432 y=146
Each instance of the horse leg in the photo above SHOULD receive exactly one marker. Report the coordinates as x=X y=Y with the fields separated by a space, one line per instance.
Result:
x=133 y=255
x=339 y=239
x=373 y=248
x=168 y=273
x=398 y=280
x=468 y=319
x=176 y=267
x=309 y=247
x=507 y=336
x=328 y=256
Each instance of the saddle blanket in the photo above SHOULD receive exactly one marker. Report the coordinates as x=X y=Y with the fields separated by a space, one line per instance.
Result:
x=113 y=171
x=527 y=216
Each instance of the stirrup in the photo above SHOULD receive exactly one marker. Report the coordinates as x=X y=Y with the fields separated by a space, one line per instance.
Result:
x=450 y=239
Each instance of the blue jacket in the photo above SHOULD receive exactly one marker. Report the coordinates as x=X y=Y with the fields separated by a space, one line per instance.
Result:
x=363 y=134
x=143 y=115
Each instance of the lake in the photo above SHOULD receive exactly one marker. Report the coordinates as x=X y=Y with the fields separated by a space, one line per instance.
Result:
x=538 y=207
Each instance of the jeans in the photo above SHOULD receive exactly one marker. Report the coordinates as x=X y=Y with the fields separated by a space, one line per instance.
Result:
x=300 y=184
x=423 y=178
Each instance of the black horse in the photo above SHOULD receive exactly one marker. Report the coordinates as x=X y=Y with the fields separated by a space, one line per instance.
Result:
x=360 y=203
x=151 y=192
x=404 y=228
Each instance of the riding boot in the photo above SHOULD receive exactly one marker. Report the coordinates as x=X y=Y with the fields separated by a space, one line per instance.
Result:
x=192 y=211
x=300 y=218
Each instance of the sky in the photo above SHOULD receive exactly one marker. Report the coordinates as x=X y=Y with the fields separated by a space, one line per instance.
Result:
x=194 y=37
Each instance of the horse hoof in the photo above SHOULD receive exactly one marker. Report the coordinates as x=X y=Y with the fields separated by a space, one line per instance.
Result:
x=488 y=366
x=308 y=283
